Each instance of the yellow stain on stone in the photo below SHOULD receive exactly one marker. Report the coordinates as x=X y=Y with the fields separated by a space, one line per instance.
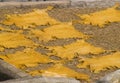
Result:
x=60 y=31
x=102 y=18
x=27 y=58
x=13 y=40
x=58 y=70
x=1 y=49
x=32 y=19
x=80 y=47
x=101 y=63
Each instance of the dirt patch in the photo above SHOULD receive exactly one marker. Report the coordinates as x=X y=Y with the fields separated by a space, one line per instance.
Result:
x=69 y=14
x=107 y=37
x=11 y=50
x=60 y=42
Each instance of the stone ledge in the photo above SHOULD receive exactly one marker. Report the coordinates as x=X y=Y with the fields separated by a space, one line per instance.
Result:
x=64 y=3
x=93 y=3
x=42 y=80
x=12 y=71
x=113 y=77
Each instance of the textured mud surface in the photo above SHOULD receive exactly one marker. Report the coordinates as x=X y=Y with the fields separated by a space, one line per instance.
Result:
x=107 y=38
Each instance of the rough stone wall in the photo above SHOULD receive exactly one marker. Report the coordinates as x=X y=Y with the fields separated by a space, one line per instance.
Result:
x=73 y=3
x=42 y=80
x=26 y=0
x=93 y=3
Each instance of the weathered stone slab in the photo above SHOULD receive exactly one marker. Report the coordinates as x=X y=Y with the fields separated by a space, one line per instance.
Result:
x=19 y=0
x=111 y=78
x=34 y=3
x=29 y=0
x=10 y=70
x=42 y=80
x=93 y=3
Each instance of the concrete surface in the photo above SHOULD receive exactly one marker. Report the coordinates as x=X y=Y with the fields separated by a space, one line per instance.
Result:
x=42 y=80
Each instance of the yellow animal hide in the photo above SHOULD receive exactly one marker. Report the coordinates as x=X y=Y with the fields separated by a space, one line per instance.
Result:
x=58 y=70
x=101 y=18
x=80 y=47
x=102 y=63
x=32 y=19
x=60 y=31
